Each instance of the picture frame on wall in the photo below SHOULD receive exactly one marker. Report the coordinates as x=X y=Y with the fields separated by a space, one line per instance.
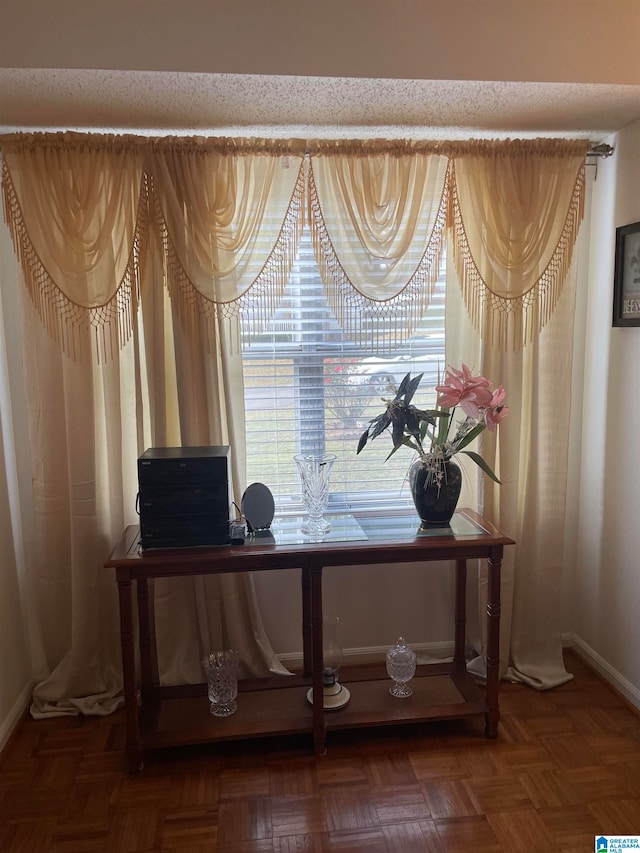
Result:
x=626 y=279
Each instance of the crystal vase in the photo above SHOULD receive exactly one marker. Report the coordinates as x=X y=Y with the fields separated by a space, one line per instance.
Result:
x=221 y=669
x=315 y=473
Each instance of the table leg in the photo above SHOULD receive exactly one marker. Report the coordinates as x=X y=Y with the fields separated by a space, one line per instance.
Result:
x=307 y=651
x=461 y=614
x=319 y=738
x=147 y=627
x=134 y=754
x=493 y=643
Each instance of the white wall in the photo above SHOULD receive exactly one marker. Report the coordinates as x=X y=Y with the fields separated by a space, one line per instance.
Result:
x=375 y=605
x=607 y=571
x=573 y=41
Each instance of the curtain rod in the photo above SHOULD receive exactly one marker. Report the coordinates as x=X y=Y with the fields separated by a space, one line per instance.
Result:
x=600 y=150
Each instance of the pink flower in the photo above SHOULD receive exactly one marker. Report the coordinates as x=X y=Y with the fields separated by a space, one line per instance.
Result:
x=497 y=397
x=496 y=412
x=461 y=388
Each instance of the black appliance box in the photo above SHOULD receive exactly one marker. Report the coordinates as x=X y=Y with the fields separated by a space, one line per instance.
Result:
x=184 y=497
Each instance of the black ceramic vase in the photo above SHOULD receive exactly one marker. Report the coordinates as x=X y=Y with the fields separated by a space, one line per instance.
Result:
x=435 y=502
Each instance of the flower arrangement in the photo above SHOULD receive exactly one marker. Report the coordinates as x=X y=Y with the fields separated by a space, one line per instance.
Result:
x=429 y=432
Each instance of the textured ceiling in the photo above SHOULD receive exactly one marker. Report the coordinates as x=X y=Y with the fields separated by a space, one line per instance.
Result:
x=163 y=102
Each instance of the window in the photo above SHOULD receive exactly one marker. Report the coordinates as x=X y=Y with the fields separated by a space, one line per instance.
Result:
x=309 y=390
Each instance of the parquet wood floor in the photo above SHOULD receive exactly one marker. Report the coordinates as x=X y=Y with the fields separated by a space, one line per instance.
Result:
x=565 y=767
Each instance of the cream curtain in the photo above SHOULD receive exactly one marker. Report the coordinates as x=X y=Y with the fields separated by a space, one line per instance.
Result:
x=516 y=328
x=515 y=210
x=100 y=224
x=378 y=215
x=90 y=418
x=87 y=425
x=77 y=214
x=196 y=381
x=229 y=214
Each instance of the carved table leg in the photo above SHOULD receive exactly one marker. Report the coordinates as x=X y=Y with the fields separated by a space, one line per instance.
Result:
x=147 y=626
x=493 y=643
x=307 y=653
x=319 y=738
x=461 y=613
x=134 y=754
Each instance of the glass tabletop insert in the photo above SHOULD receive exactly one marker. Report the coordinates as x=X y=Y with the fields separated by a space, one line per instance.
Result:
x=285 y=530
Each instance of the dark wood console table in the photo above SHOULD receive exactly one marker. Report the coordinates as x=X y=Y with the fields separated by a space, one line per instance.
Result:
x=173 y=715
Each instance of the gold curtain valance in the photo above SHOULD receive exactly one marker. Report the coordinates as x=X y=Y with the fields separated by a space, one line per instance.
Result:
x=77 y=215
x=228 y=215
x=515 y=210
x=377 y=214
x=227 y=212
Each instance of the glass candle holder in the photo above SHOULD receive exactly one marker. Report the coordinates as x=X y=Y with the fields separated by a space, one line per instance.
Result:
x=334 y=694
x=401 y=667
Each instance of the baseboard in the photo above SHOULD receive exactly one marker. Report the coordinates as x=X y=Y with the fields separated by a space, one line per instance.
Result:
x=426 y=652
x=14 y=716
x=617 y=681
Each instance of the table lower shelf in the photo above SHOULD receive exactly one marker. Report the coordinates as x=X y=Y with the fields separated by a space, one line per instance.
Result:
x=173 y=716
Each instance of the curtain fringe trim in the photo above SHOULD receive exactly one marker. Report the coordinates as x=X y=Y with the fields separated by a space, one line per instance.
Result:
x=105 y=328
x=252 y=310
x=356 y=312
x=515 y=321
x=79 y=330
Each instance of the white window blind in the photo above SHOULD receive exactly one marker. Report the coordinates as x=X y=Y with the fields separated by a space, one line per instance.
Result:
x=308 y=389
